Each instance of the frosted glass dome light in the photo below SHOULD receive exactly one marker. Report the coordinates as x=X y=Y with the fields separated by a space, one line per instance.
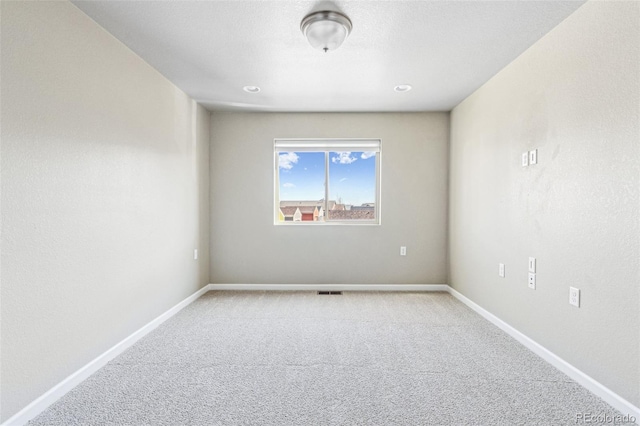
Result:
x=326 y=30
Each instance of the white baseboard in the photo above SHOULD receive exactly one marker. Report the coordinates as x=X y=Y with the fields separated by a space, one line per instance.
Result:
x=595 y=387
x=59 y=390
x=331 y=287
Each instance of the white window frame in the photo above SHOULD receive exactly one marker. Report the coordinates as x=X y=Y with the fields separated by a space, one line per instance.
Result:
x=326 y=145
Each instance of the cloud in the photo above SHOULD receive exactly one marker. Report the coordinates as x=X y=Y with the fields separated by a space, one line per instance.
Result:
x=288 y=185
x=343 y=158
x=287 y=160
x=343 y=179
x=366 y=155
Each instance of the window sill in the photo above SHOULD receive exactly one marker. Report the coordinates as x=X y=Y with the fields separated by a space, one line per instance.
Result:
x=330 y=223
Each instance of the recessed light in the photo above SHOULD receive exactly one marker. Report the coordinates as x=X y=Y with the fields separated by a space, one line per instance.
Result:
x=251 y=89
x=402 y=88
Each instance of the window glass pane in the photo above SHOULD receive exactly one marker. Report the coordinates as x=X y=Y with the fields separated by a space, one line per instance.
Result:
x=327 y=180
x=301 y=177
x=352 y=186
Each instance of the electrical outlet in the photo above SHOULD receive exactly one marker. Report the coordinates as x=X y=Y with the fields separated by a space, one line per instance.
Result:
x=574 y=296
x=532 y=281
x=195 y=254
x=532 y=264
x=403 y=251
x=501 y=270
x=525 y=159
x=533 y=157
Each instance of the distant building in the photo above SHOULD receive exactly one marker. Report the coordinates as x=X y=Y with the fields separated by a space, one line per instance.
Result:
x=299 y=213
x=347 y=212
x=307 y=211
x=364 y=207
x=352 y=214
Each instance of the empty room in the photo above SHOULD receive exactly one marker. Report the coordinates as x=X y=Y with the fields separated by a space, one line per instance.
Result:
x=276 y=212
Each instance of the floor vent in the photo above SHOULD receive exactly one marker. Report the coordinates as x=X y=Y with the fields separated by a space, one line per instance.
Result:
x=329 y=292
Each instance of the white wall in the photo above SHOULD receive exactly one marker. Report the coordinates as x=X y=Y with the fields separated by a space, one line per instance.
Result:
x=104 y=195
x=574 y=96
x=246 y=247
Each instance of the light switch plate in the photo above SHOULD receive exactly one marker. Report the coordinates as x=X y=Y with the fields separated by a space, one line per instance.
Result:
x=525 y=159
x=501 y=270
x=533 y=157
x=532 y=264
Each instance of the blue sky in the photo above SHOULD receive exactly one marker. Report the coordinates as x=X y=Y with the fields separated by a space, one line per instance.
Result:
x=352 y=176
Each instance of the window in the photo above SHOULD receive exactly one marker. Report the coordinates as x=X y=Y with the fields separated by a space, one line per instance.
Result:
x=327 y=181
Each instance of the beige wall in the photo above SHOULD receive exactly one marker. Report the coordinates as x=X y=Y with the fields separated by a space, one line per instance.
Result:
x=574 y=96
x=246 y=247
x=104 y=196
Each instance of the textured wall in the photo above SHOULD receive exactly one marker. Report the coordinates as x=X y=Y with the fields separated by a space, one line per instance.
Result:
x=104 y=195
x=246 y=247
x=574 y=96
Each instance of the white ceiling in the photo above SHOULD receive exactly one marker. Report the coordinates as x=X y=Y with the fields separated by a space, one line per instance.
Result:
x=444 y=49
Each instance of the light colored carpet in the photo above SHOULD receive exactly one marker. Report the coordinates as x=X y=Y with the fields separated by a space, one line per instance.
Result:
x=298 y=358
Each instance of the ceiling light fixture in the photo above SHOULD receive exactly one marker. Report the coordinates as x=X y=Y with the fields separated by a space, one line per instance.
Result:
x=326 y=30
x=251 y=89
x=402 y=88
